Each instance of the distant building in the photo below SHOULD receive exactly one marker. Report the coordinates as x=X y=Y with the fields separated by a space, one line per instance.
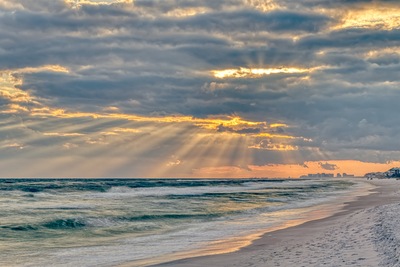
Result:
x=318 y=175
x=329 y=175
x=392 y=173
x=379 y=175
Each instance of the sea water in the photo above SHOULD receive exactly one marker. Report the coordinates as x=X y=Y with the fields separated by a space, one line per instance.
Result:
x=107 y=222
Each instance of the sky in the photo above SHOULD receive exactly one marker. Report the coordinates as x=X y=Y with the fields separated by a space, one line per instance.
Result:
x=190 y=88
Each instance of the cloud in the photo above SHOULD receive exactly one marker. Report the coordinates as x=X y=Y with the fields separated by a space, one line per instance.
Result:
x=243 y=83
x=174 y=163
x=253 y=73
x=222 y=128
x=328 y=166
x=13 y=145
x=268 y=144
x=80 y=3
x=63 y=134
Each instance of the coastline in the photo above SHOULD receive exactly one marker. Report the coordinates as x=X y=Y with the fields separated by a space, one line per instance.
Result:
x=343 y=237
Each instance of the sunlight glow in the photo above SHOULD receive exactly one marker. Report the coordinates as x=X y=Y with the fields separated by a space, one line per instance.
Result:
x=255 y=73
x=206 y=123
x=50 y=68
x=283 y=136
x=278 y=125
x=13 y=145
x=186 y=12
x=386 y=51
x=14 y=108
x=10 y=79
x=262 y=5
x=126 y=130
x=372 y=16
x=63 y=134
x=212 y=141
x=79 y=3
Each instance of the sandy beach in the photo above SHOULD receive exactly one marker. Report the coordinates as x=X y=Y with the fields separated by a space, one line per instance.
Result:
x=364 y=233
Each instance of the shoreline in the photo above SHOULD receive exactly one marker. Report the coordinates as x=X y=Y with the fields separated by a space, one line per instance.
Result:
x=293 y=244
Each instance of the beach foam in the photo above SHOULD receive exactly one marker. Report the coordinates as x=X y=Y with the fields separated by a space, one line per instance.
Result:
x=365 y=233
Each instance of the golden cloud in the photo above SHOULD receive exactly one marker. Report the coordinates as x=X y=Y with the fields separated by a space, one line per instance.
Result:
x=233 y=125
x=270 y=135
x=126 y=130
x=63 y=134
x=256 y=72
x=79 y=3
x=387 y=51
x=173 y=163
x=375 y=16
x=276 y=125
x=14 y=109
x=10 y=79
x=262 y=5
x=50 y=68
x=14 y=145
x=186 y=12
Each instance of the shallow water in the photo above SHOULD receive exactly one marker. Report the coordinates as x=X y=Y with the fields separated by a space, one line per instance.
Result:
x=81 y=222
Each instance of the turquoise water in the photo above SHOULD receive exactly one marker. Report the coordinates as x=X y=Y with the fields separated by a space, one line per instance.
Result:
x=81 y=222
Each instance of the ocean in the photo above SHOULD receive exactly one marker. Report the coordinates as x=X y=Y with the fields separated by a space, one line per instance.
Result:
x=110 y=222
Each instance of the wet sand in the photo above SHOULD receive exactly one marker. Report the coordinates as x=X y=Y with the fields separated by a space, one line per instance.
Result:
x=355 y=236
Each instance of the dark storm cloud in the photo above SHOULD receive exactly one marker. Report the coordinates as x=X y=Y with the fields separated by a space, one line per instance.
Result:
x=167 y=5
x=351 y=38
x=256 y=21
